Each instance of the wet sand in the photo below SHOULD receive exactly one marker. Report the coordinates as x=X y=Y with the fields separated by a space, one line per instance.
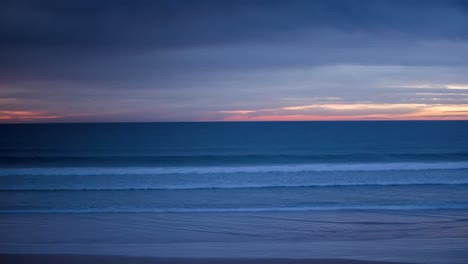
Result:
x=433 y=236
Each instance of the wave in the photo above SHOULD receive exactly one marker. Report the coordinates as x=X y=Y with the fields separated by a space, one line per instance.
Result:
x=233 y=210
x=323 y=167
x=215 y=187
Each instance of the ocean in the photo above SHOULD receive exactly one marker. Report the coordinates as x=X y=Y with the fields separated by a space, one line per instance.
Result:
x=373 y=190
x=238 y=166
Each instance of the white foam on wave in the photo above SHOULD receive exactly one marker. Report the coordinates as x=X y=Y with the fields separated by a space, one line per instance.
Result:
x=395 y=166
x=230 y=186
x=227 y=210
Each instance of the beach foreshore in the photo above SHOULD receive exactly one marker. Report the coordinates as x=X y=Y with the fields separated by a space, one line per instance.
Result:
x=82 y=259
x=433 y=236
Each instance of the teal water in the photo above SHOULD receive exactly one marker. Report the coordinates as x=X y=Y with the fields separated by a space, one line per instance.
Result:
x=258 y=166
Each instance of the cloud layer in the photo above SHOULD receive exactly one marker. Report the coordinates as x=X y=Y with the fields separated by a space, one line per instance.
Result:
x=232 y=60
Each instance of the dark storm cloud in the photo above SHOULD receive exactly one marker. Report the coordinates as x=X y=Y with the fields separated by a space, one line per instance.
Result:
x=94 y=40
x=129 y=24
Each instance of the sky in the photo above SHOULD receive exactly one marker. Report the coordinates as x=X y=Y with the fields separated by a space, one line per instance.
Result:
x=243 y=60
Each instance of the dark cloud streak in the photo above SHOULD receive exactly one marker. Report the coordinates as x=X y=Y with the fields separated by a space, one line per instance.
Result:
x=126 y=25
x=72 y=34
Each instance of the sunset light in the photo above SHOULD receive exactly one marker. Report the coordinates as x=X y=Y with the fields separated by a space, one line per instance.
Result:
x=234 y=131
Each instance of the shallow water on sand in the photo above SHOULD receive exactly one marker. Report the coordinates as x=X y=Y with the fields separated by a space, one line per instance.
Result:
x=404 y=236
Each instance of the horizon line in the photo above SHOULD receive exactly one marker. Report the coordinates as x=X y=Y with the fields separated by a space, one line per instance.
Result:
x=238 y=121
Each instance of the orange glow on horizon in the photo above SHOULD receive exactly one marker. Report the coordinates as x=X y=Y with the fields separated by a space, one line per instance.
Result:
x=339 y=118
x=317 y=112
x=344 y=112
x=21 y=116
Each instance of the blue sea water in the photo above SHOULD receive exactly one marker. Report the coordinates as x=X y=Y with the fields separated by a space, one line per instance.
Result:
x=233 y=166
